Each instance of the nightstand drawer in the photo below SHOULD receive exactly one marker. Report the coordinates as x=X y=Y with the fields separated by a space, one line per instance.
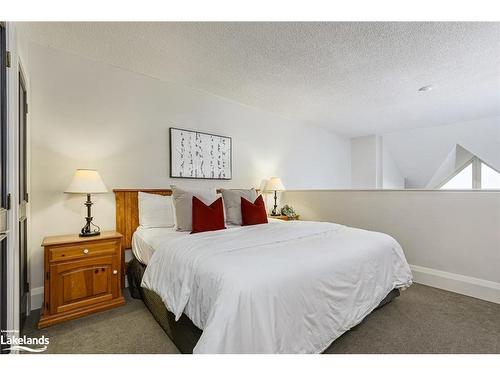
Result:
x=83 y=250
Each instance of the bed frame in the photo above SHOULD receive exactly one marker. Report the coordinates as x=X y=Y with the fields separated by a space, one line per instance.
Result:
x=183 y=332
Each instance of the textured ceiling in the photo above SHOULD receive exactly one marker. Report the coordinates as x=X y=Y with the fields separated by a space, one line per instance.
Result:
x=355 y=78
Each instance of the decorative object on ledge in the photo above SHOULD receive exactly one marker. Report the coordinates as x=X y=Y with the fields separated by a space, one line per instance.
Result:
x=274 y=184
x=284 y=217
x=289 y=212
x=200 y=155
x=87 y=181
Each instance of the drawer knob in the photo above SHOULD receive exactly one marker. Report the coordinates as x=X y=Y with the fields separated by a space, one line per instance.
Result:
x=115 y=272
x=85 y=251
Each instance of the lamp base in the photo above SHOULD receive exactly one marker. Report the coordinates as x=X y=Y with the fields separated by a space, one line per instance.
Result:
x=87 y=228
x=89 y=234
x=275 y=208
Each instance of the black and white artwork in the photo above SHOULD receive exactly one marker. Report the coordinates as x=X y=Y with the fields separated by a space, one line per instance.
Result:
x=199 y=155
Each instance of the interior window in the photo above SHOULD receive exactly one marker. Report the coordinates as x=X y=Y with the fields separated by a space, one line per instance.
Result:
x=462 y=180
x=490 y=179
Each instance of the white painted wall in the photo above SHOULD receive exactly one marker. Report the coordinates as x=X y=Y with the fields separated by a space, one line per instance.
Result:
x=420 y=152
x=451 y=237
x=392 y=177
x=365 y=158
x=93 y=115
x=372 y=165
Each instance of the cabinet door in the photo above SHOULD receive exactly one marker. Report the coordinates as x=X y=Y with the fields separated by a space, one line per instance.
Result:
x=83 y=282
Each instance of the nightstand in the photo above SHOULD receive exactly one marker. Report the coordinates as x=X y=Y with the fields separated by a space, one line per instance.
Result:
x=82 y=276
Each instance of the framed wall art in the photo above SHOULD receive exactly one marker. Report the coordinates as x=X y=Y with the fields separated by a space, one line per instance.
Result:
x=201 y=155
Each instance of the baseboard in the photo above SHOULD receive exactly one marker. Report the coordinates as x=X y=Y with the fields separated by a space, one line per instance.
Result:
x=36 y=298
x=469 y=286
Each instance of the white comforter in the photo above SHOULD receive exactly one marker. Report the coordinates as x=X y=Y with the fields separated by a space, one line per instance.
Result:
x=276 y=288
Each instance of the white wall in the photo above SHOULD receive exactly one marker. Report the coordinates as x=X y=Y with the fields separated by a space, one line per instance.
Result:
x=420 y=152
x=89 y=114
x=365 y=158
x=392 y=178
x=452 y=238
x=372 y=165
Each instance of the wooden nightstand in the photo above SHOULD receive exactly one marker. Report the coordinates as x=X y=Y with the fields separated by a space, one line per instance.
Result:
x=82 y=276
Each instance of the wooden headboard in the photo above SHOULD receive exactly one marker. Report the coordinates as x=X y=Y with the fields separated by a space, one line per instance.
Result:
x=127 y=211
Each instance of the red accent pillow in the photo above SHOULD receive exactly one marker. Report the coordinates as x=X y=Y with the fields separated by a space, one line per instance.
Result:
x=206 y=218
x=253 y=213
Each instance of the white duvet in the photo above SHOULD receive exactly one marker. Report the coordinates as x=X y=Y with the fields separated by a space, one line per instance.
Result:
x=275 y=288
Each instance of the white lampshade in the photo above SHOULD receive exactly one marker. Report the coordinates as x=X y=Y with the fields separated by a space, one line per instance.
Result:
x=274 y=184
x=86 y=181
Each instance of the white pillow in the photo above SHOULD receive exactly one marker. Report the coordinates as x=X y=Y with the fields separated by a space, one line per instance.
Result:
x=155 y=211
x=183 y=205
x=232 y=203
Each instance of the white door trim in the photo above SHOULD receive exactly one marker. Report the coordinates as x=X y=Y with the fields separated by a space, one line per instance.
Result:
x=12 y=183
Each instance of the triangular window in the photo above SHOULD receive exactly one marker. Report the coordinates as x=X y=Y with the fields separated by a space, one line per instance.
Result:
x=474 y=174
x=462 y=180
x=490 y=178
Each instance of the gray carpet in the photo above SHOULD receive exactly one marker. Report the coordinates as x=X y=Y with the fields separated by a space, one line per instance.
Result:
x=421 y=320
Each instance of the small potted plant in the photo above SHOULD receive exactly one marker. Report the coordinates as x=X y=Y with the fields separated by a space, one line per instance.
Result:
x=289 y=212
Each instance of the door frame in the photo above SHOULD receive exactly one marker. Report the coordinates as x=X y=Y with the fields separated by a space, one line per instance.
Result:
x=22 y=81
x=13 y=275
x=4 y=301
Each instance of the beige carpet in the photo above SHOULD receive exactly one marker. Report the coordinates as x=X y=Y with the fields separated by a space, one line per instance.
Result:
x=421 y=320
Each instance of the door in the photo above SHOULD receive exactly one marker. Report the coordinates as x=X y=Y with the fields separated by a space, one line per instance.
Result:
x=82 y=283
x=3 y=185
x=23 y=200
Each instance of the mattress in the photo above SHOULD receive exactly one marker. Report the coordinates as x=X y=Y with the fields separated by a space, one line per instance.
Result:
x=143 y=239
x=277 y=288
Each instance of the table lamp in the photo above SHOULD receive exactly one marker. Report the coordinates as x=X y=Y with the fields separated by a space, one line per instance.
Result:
x=274 y=184
x=87 y=181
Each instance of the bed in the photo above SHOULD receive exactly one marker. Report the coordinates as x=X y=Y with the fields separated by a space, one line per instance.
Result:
x=282 y=287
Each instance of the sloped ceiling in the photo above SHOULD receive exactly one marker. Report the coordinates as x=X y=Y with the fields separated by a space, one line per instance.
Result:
x=354 y=78
x=456 y=159
x=419 y=152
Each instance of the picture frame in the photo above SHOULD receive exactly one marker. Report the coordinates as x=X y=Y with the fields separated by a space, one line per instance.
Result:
x=200 y=155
